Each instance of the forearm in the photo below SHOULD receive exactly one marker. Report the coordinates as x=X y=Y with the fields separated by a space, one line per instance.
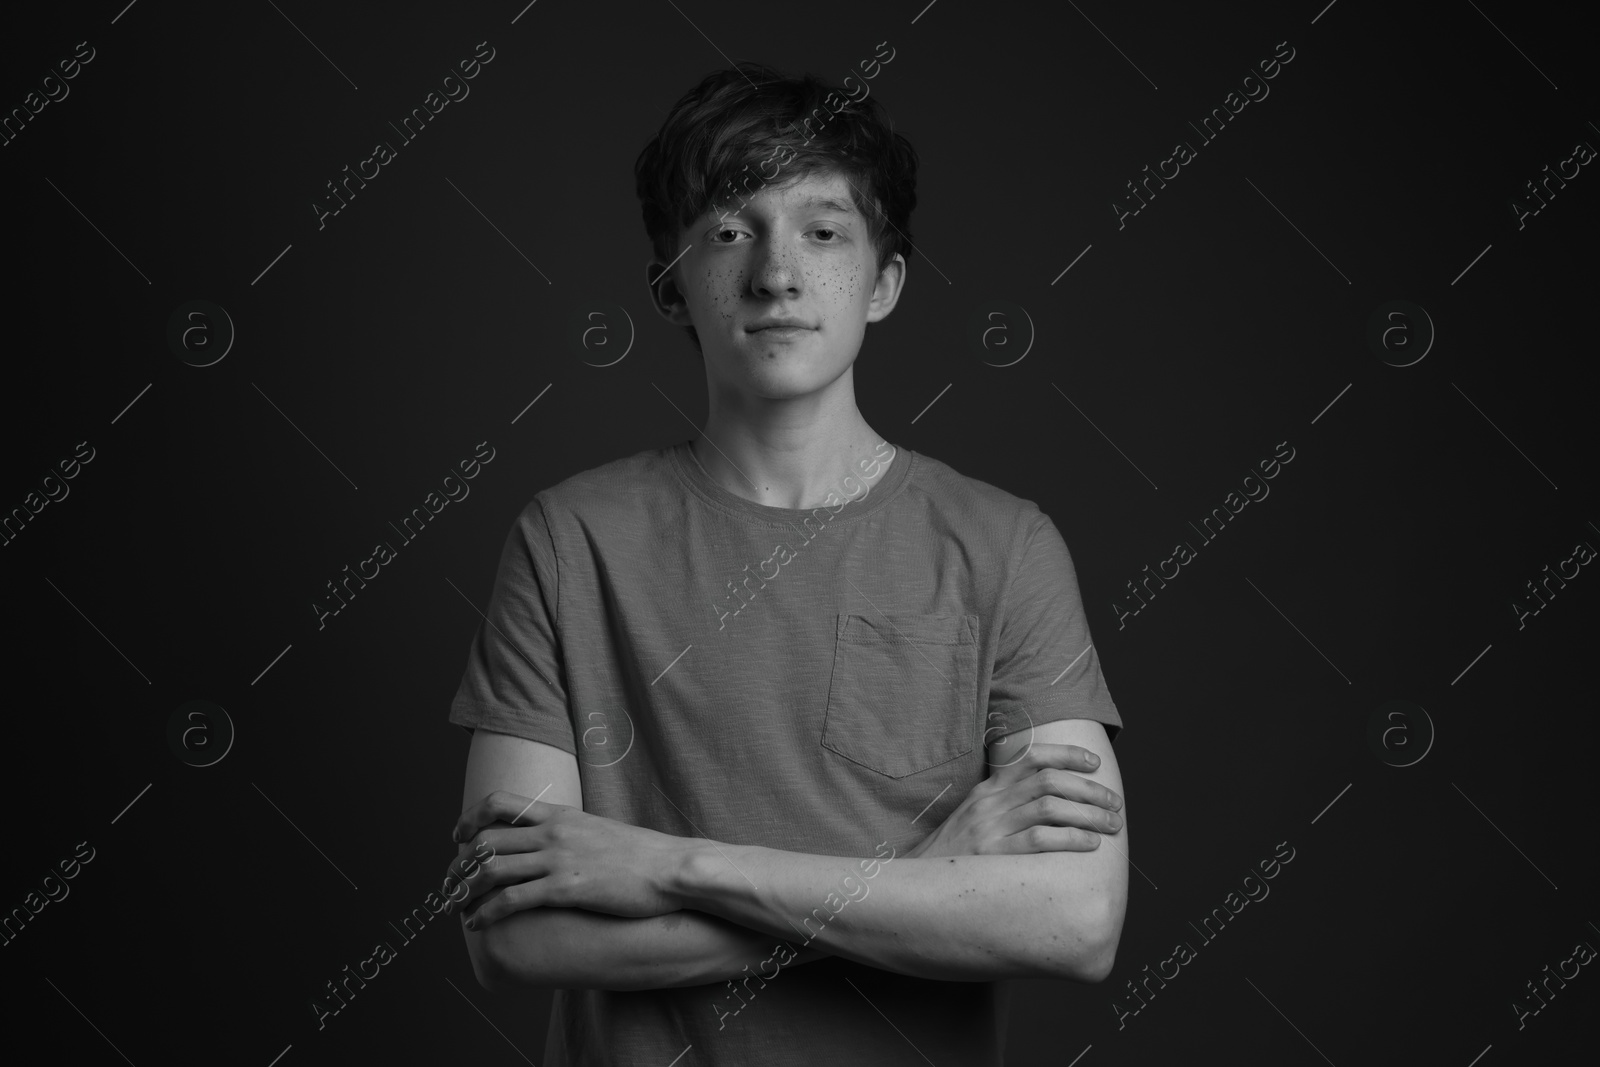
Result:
x=569 y=948
x=962 y=918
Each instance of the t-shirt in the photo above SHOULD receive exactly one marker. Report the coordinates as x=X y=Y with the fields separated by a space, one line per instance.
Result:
x=820 y=681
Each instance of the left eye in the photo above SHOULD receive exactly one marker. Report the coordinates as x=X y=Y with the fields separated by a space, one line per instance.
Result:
x=826 y=231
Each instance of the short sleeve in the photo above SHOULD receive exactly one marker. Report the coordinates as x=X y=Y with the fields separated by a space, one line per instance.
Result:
x=514 y=681
x=1045 y=665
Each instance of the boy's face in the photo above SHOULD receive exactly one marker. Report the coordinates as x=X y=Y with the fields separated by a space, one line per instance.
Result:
x=798 y=252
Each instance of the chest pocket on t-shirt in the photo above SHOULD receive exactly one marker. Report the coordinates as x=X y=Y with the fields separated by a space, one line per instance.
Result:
x=904 y=692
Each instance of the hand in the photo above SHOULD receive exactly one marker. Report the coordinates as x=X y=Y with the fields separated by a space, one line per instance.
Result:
x=1031 y=805
x=553 y=855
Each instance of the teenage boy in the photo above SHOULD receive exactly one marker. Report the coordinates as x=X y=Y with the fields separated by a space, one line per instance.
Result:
x=723 y=685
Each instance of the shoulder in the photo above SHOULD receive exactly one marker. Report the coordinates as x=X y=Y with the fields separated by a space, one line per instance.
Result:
x=607 y=491
x=975 y=506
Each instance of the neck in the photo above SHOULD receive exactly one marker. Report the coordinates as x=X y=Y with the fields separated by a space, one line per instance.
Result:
x=788 y=453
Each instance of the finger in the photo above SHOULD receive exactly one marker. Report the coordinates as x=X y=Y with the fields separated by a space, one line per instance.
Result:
x=483 y=848
x=1059 y=811
x=1041 y=756
x=500 y=806
x=469 y=916
x=507 y=901
x=470 y=859
x=1054 y=782
x=455 y=886
x=1048 y=839
x=496 y=842
x=454 y=891
x=501 y=871
x=1081 y=759
x=489 y=840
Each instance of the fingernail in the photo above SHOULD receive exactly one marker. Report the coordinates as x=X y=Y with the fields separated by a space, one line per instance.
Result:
x=1094 y=759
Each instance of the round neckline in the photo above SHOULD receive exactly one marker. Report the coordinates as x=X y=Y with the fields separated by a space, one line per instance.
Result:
x=699 y=481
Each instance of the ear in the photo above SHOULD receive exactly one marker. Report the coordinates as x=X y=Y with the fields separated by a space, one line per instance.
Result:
x=665 y=295
x=886 y=294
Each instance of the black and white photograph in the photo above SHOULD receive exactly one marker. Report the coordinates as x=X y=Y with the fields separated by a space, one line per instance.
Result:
x=669 y=534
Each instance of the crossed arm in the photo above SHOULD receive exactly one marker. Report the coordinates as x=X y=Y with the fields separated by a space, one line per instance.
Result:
x=577 y=901
x=572 y=948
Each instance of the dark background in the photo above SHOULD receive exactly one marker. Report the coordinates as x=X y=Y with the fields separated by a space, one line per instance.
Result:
x=1210 y=328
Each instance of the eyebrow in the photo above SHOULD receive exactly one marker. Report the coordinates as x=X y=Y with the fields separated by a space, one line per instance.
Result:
x=826 y=203
x=829 y=204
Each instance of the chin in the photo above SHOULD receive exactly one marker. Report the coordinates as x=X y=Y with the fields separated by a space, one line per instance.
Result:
x=782 y=383
x=775 y=377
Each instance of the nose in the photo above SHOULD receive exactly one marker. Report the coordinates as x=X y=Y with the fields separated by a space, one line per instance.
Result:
x=774 y=273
